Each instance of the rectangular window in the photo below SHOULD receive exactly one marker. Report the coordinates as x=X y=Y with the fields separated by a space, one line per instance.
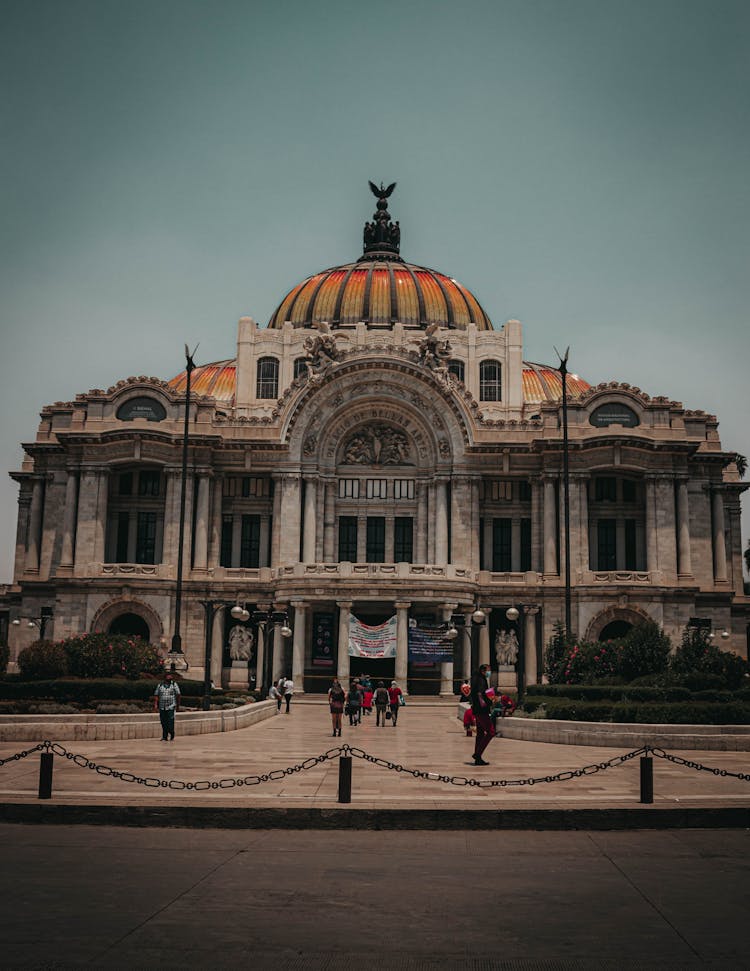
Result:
x=606 y=542
x=250 y=542
x=149 y=481
x=145 y=544
x=376 y=488
x=524 y=491
x=628 y=490
x=501 y=545
x=226 y=541
x=348 y=539
x=375 y=549
x=456 y=368
x=490 y=384
x=403 y=539
x=630 y=554
x=496 y=490
x=525 y=545
x=123 y=528
x=348 y=488
x=125 y=484
x=605 y=489
x=403 y=488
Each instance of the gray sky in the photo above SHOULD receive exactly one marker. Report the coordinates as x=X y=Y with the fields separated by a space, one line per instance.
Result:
x=168 y=166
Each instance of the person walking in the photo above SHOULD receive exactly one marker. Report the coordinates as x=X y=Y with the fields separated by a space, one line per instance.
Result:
x=167 y=703
x=280 y=692
x=395 y=696
x=480 y=706
x=354 y=704
x=288 y=692
x=336 y=699
x=381 y=700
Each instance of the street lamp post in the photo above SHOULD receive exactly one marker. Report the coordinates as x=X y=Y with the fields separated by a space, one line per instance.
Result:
x=513 y=614
x=176 y=653
x=457 y=624
x=45 y=616
x=566 y=486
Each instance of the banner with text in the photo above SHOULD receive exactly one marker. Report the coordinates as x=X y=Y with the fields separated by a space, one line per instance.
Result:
x=430 y=644
x=366 y=641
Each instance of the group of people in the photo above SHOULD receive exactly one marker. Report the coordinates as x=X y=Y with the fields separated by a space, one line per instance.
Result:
x=360 y=699
x=282 y=691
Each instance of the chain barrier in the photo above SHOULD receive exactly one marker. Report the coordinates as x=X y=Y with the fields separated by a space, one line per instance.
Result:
x=18 y=756
x=275 y=775
x=678 y=760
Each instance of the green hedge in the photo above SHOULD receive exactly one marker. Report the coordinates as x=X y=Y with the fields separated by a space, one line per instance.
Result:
x=612 y=693
x=677 y=713
x=85 y=690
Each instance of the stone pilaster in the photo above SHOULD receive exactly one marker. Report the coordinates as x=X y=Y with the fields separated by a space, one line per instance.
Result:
x=301 y=614
x=550 y=528
x=308 y=531
x=666 y=528
x=69 y=521
x=422 y=523
x=402 y=643
x=652 y=555
x=200 y=558
x=719 y=540
x=342 y=671
x=289 y=525
x=329 y=523
x=214 y=532
x=34 y=536
x=441 y=522
x=461 y=521
x=276 y=525
x=279 y=651
x=684 y=560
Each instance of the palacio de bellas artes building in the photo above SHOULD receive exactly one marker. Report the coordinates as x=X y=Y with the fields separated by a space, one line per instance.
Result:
x=376 y=468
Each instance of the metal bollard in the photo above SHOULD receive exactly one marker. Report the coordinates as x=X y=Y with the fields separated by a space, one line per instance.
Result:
x=345 y=778
x=45 y=775
x=647 y=778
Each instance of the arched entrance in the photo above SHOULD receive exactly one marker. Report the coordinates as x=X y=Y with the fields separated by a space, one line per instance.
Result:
x=130 y=624
x=614 y=630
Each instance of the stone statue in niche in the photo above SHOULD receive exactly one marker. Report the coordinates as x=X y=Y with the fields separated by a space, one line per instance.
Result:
x=377 y=444
x=321 y=351
x=434 y=353
x=506 y=648
x=240 y=643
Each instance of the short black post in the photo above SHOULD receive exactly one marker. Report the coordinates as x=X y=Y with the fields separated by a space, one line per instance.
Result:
x=345 y=778
x=647 y=778
x=45 y=775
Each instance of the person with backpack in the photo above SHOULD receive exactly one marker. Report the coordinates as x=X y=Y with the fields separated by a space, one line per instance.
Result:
x=336 y=699
x=354 y=703
x=395 y=698
x=381 y=703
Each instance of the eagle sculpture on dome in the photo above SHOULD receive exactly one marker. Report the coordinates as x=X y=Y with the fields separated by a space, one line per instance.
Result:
x=382 y=193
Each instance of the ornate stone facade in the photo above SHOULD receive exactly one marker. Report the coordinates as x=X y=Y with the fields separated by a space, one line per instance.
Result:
x=384 y=468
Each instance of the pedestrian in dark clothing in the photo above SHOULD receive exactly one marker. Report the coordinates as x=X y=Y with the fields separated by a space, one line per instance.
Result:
x=167 y=702
x=354 y=703
x=480 y=706
x=381 y=703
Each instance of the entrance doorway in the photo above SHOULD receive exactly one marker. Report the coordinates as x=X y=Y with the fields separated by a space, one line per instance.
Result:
x=615 y=629
x=131 y=624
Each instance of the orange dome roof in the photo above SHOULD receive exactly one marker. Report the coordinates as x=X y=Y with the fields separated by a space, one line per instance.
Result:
x=380 y=292
x=541 y=382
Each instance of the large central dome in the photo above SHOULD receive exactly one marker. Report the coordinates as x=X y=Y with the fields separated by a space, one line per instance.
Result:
x=380 y=288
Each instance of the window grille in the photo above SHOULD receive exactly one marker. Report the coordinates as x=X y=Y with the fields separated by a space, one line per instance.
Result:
x=268 y=378
x=490 y=384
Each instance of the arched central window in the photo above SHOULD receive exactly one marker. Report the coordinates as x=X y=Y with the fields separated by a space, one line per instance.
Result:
x=268 y=378
x=490 y=384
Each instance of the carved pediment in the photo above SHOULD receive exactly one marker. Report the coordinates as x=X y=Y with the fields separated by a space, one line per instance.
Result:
x=377 y=444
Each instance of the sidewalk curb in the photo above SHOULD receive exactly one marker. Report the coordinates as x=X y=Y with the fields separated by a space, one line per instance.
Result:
x=205 y=817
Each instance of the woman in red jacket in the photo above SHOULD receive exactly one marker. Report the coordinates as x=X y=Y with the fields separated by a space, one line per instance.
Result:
x=395 y=694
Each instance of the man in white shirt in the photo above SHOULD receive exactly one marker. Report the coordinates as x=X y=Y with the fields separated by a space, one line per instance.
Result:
x=288 y=692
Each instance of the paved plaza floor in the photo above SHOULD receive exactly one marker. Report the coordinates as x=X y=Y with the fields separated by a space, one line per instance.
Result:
x=428 y=738
x=108 y=897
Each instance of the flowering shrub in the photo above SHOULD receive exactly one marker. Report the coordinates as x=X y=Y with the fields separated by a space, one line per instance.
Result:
x=643 y=650
x=698 y=660
x=110 y=655
x=43 y=660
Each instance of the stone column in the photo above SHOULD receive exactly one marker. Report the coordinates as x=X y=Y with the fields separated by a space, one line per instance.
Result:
x=171 y=516
x=69 y=521
x=536 y=526
x=260 y=656
x=550 y=528
x=329 y=524
x=342 y=671
x=652 y=559
x=301 y=613
x=402 y=643
x=465 y=634
x=441 y=523
x=461 y=521
x=579 y=525
x=100 y=521
x=422 y=523
x=446 y=667
x=217 y=647
x=484 y=638
x=308 y=531
x=279 y=650
x=289 y=526
x=684 y=563
x=200 y=559
x=719 y=540
x=666 y=529
x=475 y=514
x=529 y=645
x=34 y=539
x=276 y=525
x=214 y=533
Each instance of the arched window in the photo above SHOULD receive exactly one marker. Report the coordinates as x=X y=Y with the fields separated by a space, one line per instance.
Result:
x=457 y=368
x=268 y=378
x=300 y=367
x=490 y=384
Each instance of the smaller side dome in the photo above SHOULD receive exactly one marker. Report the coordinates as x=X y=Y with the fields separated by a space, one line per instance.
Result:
x=215 y=380
x=543 y=383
